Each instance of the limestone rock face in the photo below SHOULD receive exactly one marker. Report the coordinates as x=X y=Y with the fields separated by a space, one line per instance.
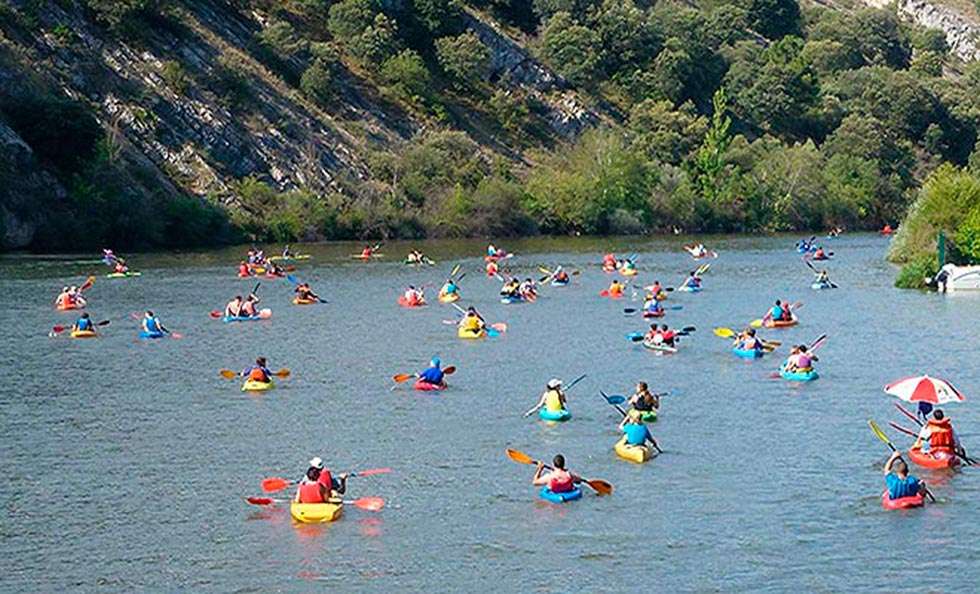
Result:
x=22 y=184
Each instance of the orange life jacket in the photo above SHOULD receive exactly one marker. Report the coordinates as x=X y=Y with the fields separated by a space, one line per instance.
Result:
x=941 y=435
x=258 y=375
x=310 y=492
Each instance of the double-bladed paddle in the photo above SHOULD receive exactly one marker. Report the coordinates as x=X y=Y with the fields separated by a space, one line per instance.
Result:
x=274 y=484
x=366 y=503
x=881 y=435
x=600 y=486
x=229 y=374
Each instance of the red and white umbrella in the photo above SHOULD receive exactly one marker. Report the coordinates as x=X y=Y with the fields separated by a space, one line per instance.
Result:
x=923 y=388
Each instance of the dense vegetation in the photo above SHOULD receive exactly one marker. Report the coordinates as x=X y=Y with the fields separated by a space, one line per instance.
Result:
x=744 y=115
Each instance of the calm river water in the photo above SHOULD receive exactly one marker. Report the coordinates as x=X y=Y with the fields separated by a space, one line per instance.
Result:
x=126 y=463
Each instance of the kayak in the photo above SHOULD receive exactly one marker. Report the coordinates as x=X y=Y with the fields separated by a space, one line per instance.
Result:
x=425 y=386
x=363 y=257
x=659 y=347
x=748 y=353
x=629 y=271
x=798 y=376
x=244 y=275
x=123 y=274
x=606 y=293
x=251 y=385
x=464 y=333
x=264 y=314
x=449 y=298
x=556 y=283
x=288 y=258
x=510 y=299
x=902 y=502
x=145 y=334
x=405 y=302
x=638 y=454
x=70 y=306
x=498 y=257
x=819 y=286
x=549 y=495
x=816 y=259
x=425 y=262
x=781 y=323
x=298 y=301
x=648 y=416
x=315 y=513
x=609 y=269
x=554 y=415
x=689 y=289
x=933 y=459
x=83 y=334
x=649 y=313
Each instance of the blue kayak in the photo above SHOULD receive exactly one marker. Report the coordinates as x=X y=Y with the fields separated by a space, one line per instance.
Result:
x=689 y=289
x=798 y=376
x=229 y=319
x=549 y=495
x=559 y=283
x=511 y=299
x=820 y=286
x=558 y=415
x=748 y=353
x=144 y=334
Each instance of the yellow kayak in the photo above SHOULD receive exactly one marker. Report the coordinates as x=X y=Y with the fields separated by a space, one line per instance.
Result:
x=83 y=334
x=466 y=333
x=316 y=513
x=449 y=297
x=638 y=454
x=256 y=386
x=629 y=271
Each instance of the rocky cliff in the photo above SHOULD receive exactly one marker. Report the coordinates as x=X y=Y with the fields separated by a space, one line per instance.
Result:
x=962 y=31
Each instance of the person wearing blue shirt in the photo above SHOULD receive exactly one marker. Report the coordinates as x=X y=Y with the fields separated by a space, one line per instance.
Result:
x=637 y=434
x=434 y=374
x=152 y=325
x=898 y=480
x=84 y=324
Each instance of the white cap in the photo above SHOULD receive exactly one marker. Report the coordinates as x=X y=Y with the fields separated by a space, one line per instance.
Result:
x=316 y=463
x=554 y=383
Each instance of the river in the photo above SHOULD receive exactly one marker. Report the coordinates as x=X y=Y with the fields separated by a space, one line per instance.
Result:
x=126 y=462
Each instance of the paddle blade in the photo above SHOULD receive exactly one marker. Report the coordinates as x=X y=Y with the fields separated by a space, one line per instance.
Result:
x=499 y=327
x=369 y=503
x=601 y=487
x=260 y=500
x=271 y=485
x=283 y=373
x=616 y=399
x=449 y=370
x=901 y=429
x=292 y=279
x=724 y=332
x=228 y=374
x=372 y=472
x=215 y=314
x=402 y=377
x=58 y=329
x=87 y=284
x=756 y=323
x=878 y=432
x=519 y=457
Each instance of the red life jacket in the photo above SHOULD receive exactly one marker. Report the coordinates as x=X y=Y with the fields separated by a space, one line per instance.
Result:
x=258 y=375
x=941 y=436
x=326 y=479
x=561 y=483
x=310 y=492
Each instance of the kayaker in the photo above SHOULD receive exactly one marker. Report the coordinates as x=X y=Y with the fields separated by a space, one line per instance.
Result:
x=661 y=335
x=491 y=251
x=319 y=486
x=120 y=266
x=693 y=281
x=250 y=256
x=643 y=400
x=609 y=262
x=244 y=270
x=492 y=268
x=286 y=253
x=651 y=305
x=273 y=270
x=63 y=301
x=553 y=399
x=367 y=252
x=616 y=288
x=800 y=360
x=939 y=432
x=151 y=324
x=415 y=257
x=449 y=288
x=258 y=372
x=636 y=431
x=823 y=278
x=560 y=276
x=305 y=293
x=886 y=230
x=527 y=290
x=697 y=251
x=108 y=257
x=83 y=324
x=75 y=298
x=779 y=312
x=558 y=480
x=472 y=322
x=746 y=341
x=898 y=480
x=628 y=266
x=234 y=307
x=819 y=254
x=655 y=288
x=414 y=296
x=248 y=309
x=434 y=374
x=511 y=288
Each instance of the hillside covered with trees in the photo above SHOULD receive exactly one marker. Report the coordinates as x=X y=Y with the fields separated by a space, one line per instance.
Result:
x=142 y=123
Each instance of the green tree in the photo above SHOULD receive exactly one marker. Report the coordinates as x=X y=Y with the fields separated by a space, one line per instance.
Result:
x=281 y=39
x=572 y=49
x=349 y=18
x=439 y=17
x=123 y=13
x=708 y=164
x=663 y=134
x=774 y=18
x=510 y=110
x=626 y=39
x=406 y=74
x=375 y=44
x=317 y=80
x=463 y=57
x=871 y=37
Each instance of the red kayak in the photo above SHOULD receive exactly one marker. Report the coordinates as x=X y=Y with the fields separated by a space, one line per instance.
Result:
x=406 y=303
x=427 y=387
x=901 y=502
x=940 y=459
x=654 y=314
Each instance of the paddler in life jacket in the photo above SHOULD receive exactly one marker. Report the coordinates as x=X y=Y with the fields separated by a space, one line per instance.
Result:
x=652 y=305
x=560 y=276
x=286 y=253
x=305 y=293
x=800 y=360
x=553 y=399
x=558 y=480
x=693 y=281
x=472 y=322
x=898 y=480
x=643 y=400
x=823 y=278
x=318 y=486
x=820 y=254
x=609 y=262
x=63 y=300
x=449 y=288
x=616 y=289
x=779 y=311
x=628 y=267
x=367 y=252
x=414 y=296
x=433 y=374
x=120 y=266
x=939 y=432
x=491 y=251
x=83 y=324
x=75 y=297
x=258 y=372
x=636 y=431
x=151 y=324
x=527 y=290
x=746 y=341
x=657 y=289
x=244 y=270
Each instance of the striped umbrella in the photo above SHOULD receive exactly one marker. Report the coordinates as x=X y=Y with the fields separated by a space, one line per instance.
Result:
x=923 y=388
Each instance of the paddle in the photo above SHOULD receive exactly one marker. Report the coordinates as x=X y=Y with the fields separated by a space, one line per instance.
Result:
x=273 y=484
x=404 y=377
x=229 y=374
x=632 y=310
x=601 y=487
x=366 y=503
x=454 y=270
x=87 y=284
x=616 y=400
x=881 y=435
x=59 y=329
x=295 y=281
x=962 y=454
x=567 y=388
x=901 y=429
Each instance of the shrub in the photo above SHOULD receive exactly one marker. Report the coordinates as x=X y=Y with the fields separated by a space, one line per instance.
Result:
x=405 y=73
x=175 y=76
x=463 y=57
x=914 y=275
x=317 y=81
